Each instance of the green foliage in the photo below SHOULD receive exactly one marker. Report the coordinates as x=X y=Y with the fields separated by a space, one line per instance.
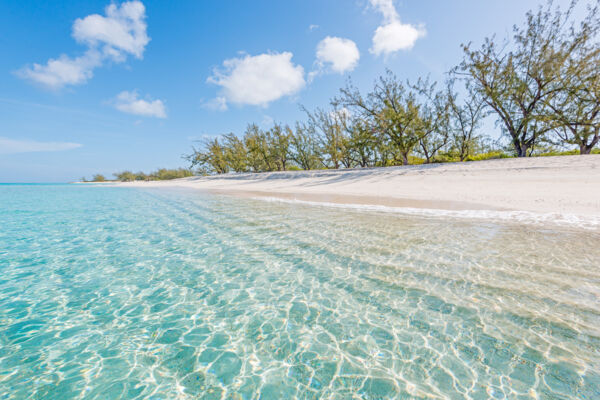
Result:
x=492 y=155
x=125 y=176
x=393 y=112
x=98 y=178
x=164 y=174
x=158 y=175
x=304 y=147
x=566 y=153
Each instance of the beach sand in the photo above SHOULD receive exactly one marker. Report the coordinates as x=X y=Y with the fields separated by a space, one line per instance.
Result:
x=563 y=185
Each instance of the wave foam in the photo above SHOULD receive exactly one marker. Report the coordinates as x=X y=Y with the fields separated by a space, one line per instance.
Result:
x=527 y=217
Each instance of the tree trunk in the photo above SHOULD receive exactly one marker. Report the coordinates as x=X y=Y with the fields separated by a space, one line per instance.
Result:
x=404 y=158
x=520 y=147
x=585 y=148
x=463 y=152
x=522 y=150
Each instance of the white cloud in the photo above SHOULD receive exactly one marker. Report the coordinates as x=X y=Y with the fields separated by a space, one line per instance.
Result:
x=129 y=102
x=386 y=7
x=216 y=104
x=313 y=27
x=122 y=30
x=341 y=55
x=11 y=146
x=393 y=35
x=259 y=80
x=63 y=70
x=112 y=37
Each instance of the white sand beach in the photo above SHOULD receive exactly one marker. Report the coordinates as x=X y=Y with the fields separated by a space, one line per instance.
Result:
x=563 y=185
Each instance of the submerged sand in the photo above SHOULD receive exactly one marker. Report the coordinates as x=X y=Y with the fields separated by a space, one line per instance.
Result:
x=563 y=185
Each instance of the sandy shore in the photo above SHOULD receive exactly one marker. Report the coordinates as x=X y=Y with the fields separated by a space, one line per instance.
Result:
x=564 y=185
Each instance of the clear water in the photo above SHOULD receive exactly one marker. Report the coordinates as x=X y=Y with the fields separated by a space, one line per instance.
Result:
x=110 y=293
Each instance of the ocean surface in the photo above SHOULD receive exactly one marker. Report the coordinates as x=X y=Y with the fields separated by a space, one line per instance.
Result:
x=122 y=293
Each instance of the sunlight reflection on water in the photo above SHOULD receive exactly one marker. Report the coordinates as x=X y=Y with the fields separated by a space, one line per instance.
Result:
x=124 y=293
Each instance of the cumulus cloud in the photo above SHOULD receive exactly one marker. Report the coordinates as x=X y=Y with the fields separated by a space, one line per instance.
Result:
x=130 y=102
x=393 y=35
x=216 y=104
x=12 y=146
x=259 y=80
x=338 y=54
x=63 y=70
x=386 y=8
x=120 y=33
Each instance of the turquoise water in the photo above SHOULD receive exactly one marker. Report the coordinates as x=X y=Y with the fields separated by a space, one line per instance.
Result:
x=110 y=293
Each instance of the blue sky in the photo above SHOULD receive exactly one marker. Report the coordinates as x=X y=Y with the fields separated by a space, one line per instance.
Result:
x=91 y=86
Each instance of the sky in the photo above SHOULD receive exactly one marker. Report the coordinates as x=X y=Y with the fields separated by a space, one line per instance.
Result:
x=93 y=86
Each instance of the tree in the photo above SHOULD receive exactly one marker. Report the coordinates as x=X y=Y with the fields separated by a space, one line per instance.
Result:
x=304 y=147
x=260 y=156
x=434 y=118
x=391 y=110
x=465 y=119
x=279 y=146
x=125 y=176
x=235 y=153
x=210 y=158
x=362 y=143
x=98 y=178
x=516 y=84
x=576 y=108
x=329 y=125
x=163 y=174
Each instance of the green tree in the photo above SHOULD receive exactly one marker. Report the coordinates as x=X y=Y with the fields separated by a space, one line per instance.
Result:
x=576 y=109
x=465 y=119
x=278 y=142
x=125 y=176
x=330 y=129
x=362 y=143
x=517 y=83
x=434 y=118
x=236 y=153
x=209 y=158
x=260 y=156
x=167 y=174
x=98 y=178
x=391 y=110
x=304 y=147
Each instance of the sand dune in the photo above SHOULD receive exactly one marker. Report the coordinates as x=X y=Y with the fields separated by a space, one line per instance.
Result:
x=565 y=185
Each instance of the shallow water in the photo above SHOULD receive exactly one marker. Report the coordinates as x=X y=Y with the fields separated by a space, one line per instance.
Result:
x=112 y=293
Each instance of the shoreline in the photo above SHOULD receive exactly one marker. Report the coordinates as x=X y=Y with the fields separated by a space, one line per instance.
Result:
x=564 y=185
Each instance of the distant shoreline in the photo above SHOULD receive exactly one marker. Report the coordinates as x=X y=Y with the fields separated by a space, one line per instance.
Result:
x=563 y=185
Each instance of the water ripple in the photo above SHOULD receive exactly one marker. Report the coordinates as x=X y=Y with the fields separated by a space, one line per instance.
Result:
x=123 y=293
